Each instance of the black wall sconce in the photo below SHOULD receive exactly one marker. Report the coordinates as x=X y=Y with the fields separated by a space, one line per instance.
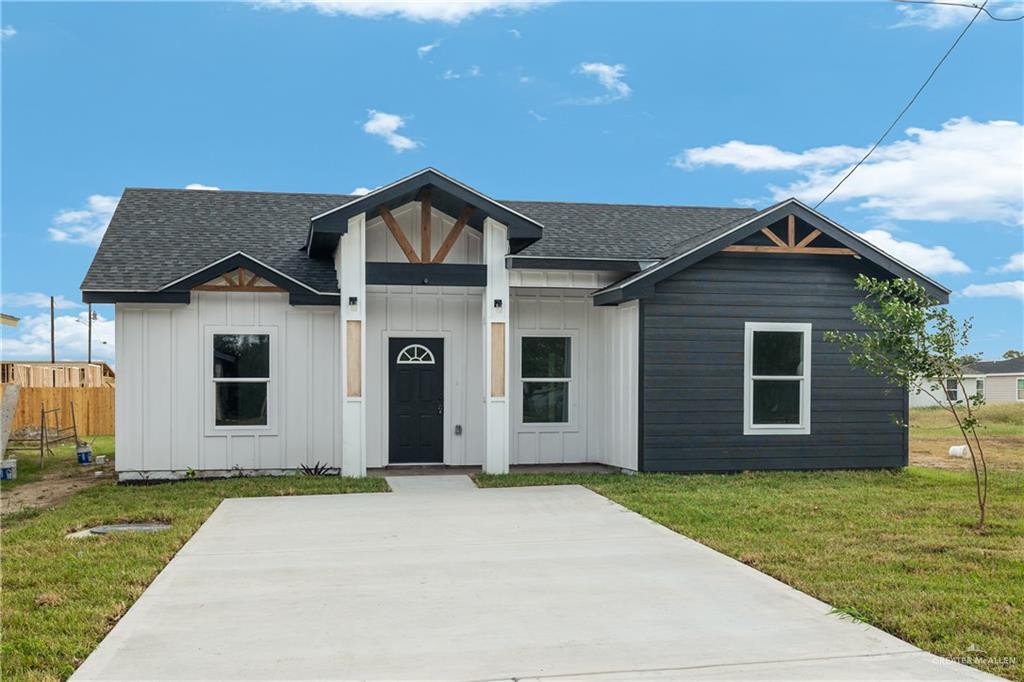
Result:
x=352 y=300
x=497 y=303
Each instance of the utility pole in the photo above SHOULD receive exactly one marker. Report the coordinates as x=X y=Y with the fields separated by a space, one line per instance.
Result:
x=53 y=343
x=89 y=352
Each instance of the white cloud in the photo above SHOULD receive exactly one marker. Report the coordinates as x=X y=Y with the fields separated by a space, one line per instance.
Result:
x=538 y=117
x=525 y=80
x=1013 y=289
x=1015 y=263
x=423 y=50
x=360 y=191
x=447 y=11
x=35 y=299
x=200 y=186
x=610 y=76
x=386 y=126
x=937 y=17
x=965 y=170
x=85 y=225
x=931 y=260
x=32 y=340
x=472 y=72
x=762 y=157
x=7 y=32
x=515 y=33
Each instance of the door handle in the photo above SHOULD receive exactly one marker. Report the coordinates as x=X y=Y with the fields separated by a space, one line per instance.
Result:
x=440 y=409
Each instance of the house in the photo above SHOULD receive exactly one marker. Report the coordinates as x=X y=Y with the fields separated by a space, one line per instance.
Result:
x=997 y=381
x=427 y=323
x=45 y=374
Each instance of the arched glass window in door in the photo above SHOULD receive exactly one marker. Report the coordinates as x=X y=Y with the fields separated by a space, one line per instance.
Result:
x=415 y=354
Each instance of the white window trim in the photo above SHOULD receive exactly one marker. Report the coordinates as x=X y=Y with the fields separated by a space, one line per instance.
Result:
x=209 y=408
x=570 y=380
x=751 y=429
x=1017 y=391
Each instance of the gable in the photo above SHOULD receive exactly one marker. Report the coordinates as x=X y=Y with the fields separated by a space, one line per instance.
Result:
x=789 y=227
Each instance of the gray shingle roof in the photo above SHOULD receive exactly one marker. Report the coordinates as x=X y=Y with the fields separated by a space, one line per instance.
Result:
x=1011 y=366
x=159 y=235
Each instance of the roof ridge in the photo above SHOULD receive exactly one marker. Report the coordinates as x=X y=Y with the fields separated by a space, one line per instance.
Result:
x=524 y=201
x=239 y=191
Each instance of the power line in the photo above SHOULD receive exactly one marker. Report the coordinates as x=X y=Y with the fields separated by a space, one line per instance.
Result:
x=969 y=5
x=908 y=105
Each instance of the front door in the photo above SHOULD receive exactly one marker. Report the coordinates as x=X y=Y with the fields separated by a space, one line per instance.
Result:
x=416 y=401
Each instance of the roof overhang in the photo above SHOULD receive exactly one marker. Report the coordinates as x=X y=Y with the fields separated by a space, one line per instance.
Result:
x=180 y=290
x=447 y=195
x=641 y=285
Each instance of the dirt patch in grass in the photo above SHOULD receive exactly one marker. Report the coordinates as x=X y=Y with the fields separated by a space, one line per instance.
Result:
x=60 y=476
x=933 y=431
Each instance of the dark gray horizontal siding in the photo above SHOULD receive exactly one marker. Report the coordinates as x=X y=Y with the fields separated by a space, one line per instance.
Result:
x=692 y=395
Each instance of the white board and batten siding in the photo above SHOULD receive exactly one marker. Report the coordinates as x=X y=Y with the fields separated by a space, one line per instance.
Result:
x=163 y=402
x=165 y=392
x=603 y=389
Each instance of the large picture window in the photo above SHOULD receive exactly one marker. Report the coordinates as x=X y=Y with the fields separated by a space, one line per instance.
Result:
x=777 y=378
x=547 y=375
x=241 y=378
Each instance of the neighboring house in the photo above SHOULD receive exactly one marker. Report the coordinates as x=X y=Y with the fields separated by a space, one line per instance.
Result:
x=426 y=323
x=45 y=374
x=997 y=381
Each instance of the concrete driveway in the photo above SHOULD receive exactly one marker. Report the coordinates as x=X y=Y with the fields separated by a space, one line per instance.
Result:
x=439 y=580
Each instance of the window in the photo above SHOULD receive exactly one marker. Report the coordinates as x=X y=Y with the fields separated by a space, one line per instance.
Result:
x=241 y=378
x=777 y=378
x=952 y=394
x=415 y=354
x=1020 y=389
x=979 y=388
x=546 y=373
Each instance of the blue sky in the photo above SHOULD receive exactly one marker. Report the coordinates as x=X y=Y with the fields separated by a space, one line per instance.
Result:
x=672 y=103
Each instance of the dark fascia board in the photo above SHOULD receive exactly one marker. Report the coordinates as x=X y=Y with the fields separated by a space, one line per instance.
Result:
x=233 y=262
x=539 y=263
x=641 y=285
x=430 y=274
x=135 y=296
x=332 y=224
x=179 y=290
x=314 y=299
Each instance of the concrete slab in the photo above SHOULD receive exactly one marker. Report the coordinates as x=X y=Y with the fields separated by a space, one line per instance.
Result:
x=449 y=582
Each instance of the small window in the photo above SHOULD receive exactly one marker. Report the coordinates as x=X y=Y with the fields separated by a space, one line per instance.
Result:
x=1020 y=389
x=241 y=378
x=979 y=388
x=952 y=394
x=415 y=354
x=777 y=378
x=546 y=374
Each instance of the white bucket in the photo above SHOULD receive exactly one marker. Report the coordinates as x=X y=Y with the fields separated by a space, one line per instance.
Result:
x=958 y=451
x=8 y=469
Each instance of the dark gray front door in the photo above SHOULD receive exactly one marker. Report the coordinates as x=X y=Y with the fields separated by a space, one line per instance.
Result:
x=416 y=401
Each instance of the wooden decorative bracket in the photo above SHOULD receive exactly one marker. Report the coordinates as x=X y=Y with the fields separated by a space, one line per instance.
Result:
x=239 y=280
x=425 y=228
x=791 y=245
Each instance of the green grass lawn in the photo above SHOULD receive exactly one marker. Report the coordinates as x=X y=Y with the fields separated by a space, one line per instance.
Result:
x=60 y=597
x=896 y=548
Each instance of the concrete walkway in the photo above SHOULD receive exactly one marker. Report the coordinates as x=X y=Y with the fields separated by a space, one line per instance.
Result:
x=442 y=581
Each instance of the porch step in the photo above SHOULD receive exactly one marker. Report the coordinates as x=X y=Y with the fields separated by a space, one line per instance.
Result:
x=430 y=485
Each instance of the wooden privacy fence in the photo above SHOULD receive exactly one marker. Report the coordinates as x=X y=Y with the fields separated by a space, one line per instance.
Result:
x=94 y=408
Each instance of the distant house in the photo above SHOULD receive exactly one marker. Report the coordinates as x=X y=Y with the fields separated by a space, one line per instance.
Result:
x=997 y=381
x=428 y=323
